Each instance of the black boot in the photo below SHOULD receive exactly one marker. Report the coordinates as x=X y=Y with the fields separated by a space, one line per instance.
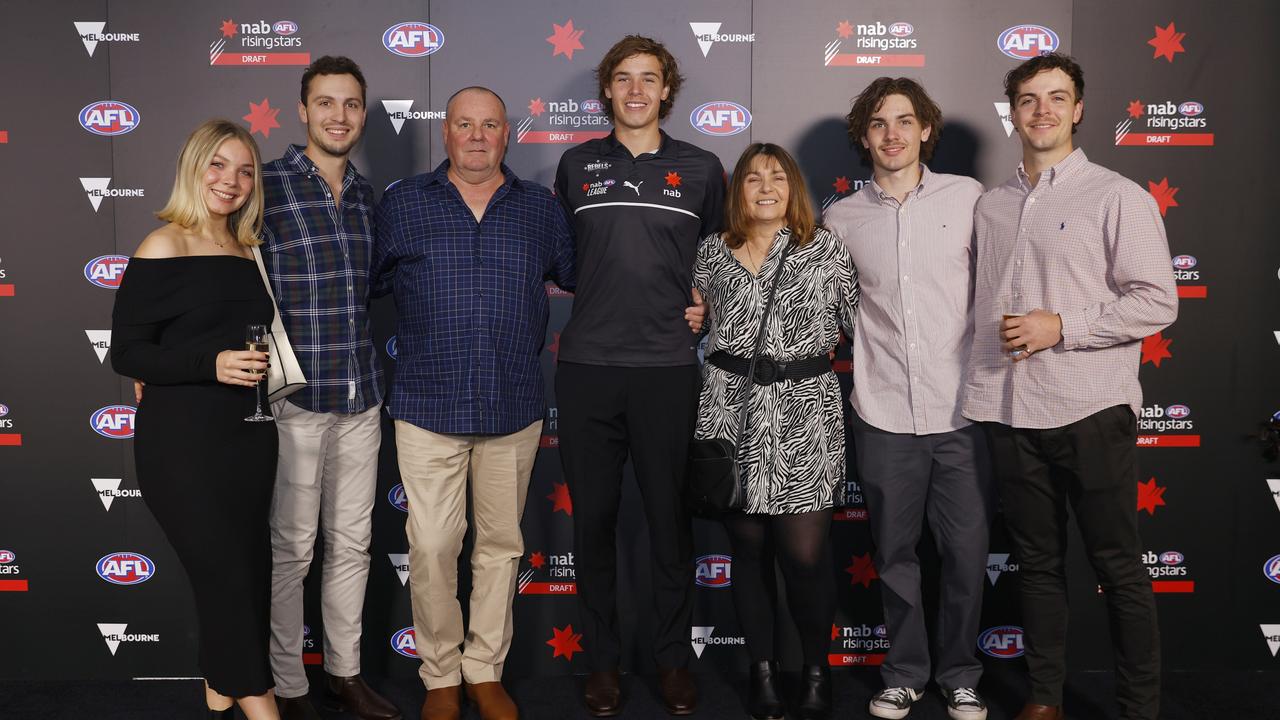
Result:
x=762 y=687
x=815 y=692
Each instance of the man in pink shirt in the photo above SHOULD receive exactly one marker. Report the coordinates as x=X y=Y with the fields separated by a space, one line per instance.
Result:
x=1073 y=271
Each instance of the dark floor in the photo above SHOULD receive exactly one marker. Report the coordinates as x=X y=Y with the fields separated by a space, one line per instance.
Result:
x=1187 y=696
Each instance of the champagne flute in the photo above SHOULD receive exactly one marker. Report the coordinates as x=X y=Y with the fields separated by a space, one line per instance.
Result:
x=256 y=339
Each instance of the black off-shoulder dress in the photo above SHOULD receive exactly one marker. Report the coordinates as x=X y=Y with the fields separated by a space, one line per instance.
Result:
x=206 y=475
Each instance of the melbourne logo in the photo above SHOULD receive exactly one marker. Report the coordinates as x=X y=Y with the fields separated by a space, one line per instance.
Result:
x=872 y=43
x=91 y=34
x=1274 y=486
x=708 y=33
x=404 y=642
x=1271 y=569
x=100 y=341
x=106 y=271
x=413 y=39
x=702 y=636
x=398 y=499
x=1165 y=123
x=108 y=489
x=720 y=117
x=258 y=43
x=109 y=117
x=125 y=568
x=400 y=561
x=1271 y=633
x=400 y=110
x=713 y=571
x=114 y=633
x=566 y=120
x=1006 y=117
x=1023 y=42
x=1167 y=426
x=98 y=188
x=548 y=574
x=1003 y=642
x=997 y=565
x=113 y=421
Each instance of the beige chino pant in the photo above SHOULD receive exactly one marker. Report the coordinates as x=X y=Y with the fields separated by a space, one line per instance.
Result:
x=326 y=479
x=434 y=469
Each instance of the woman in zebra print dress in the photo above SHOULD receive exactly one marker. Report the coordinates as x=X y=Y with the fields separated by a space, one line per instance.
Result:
x=792 y=450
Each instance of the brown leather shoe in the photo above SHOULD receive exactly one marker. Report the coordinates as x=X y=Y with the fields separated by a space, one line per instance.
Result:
x=603 y=696
x=299 y=708
x=1040 y=712
x=443 y=704
x=492 y=701
x=351 y=694
x=679 y=694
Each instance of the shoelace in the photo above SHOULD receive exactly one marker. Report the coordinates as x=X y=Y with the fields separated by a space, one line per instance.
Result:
x=964 y=696
x=894 y=695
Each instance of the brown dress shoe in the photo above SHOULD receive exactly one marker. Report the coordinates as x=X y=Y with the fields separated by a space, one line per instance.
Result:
x=679 y=694
x=603 y=696
x=442 y=704
x=1040 y=712
x=299 y=708
x=492 y=701
x=351 y=694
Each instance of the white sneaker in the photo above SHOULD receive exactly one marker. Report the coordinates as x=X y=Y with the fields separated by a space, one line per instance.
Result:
x=964 y=704
x=893 y=703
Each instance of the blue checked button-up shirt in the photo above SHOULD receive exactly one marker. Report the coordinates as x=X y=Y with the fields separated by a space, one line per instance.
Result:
x=317 y=257
x=472 y=300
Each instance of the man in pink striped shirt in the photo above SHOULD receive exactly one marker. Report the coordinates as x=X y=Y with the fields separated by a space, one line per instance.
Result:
x=1073 y=271
x=910 y=232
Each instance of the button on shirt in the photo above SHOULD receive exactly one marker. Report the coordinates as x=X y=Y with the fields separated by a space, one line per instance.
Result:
x=1089 y=245
x=472 y=300
x=914 y=325
x=317 y=256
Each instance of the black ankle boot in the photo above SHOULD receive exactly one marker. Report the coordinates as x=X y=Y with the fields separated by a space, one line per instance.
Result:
x=815 y=692
x=762 y=686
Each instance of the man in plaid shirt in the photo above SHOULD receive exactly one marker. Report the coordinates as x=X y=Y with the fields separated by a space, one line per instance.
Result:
x=318 y=241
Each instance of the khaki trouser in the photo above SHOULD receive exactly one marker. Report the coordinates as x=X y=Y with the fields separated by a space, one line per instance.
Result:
x=327 y=478
x=435 y=469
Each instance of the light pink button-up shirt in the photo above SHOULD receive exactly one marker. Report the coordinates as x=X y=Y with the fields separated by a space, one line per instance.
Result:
x=915 y=267
x=1085 y=243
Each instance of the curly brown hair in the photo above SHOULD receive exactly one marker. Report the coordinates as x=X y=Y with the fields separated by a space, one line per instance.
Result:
x=872 y=97
x=632 y=45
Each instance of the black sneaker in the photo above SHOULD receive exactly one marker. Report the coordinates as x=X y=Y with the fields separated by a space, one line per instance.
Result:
x=964 y=704
x=893 y=703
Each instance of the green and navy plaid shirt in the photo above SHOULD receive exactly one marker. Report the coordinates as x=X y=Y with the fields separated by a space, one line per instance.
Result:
x=317 y=257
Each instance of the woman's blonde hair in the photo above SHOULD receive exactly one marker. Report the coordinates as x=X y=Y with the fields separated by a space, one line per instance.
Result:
x=186 y=206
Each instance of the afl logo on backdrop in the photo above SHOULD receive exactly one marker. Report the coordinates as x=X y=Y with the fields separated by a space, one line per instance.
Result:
x=398 y=499
x=393 y=347
x=404 y=642
x=1172 y=557
x=901 y=29
x=285 y=27
x=1191 y=108
x=1023 y=42
x=106 y=271
x=413 y=39
x=1003 y=642
x=593 y=106
x=7 y=556
x=1184 y=262
x=109 y=117
x=1272 y=569
x=125 y=568
x=113 y=421
x=713 y=571
x=720 y=117
x=1178 y=412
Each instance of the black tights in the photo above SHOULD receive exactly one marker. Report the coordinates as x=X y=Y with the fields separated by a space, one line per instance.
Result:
x=802 y=546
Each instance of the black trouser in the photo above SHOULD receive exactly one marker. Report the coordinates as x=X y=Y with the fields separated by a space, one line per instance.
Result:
x=604 y=413
x=1089 y=466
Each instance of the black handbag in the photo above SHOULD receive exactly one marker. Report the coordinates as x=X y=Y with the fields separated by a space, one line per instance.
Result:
x=715 y=479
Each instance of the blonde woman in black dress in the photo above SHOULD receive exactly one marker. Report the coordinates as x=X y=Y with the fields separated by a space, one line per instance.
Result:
x=792 y=451
x=179 y=324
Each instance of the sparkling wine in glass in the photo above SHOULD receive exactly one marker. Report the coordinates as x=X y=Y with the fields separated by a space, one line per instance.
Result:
x=255 y=339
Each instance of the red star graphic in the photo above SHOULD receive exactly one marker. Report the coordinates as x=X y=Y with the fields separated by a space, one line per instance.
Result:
x=565 y=39
x=673 y=179
x=1163 y=194
x=1135 y=109
x=841 y=185
x=560 y=500
x=1167 y=42
x=554 y=347
x=844 y=29
x=536 y=107
x=1150 y=496
x=228 y=28
x=537 y=560
x=1155 y=348
x=586 y=187
x=262 y=117
x=862 y=570
x=835 y=632
x=565 y=642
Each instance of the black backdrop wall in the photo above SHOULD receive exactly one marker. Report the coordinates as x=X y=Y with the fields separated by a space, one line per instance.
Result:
x=98 y=97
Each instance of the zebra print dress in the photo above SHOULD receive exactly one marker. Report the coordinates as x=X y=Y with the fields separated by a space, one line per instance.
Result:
x=793 y=452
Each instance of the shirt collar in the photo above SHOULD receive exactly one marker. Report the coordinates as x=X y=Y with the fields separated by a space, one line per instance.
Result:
x=1063 y=171
x=664 y=144
x=440 y=176
x=879 y=194
x=296 y=158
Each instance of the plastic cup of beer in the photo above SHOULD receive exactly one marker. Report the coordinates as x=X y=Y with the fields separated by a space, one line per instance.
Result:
x=1011 y=307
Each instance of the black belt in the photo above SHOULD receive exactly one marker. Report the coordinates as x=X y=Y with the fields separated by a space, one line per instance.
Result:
x=768 y=370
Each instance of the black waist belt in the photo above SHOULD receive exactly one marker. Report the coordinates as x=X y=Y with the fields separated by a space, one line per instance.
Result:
x=768 y=370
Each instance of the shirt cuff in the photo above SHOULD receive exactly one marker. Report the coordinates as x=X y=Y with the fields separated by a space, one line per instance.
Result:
x=1075 y=330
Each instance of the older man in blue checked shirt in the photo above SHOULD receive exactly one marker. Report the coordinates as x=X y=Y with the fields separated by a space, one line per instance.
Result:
x=466 y=249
